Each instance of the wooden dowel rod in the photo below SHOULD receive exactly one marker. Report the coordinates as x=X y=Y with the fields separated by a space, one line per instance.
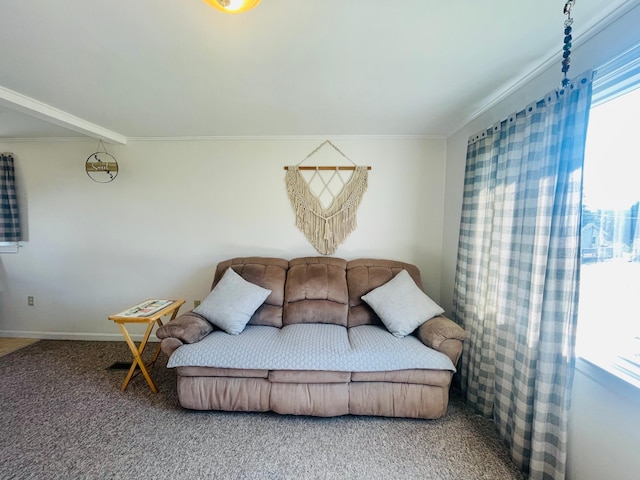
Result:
x=326 y=168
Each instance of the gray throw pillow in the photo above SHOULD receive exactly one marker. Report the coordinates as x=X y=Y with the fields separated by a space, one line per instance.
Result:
x=232 y=302
x=401 y=305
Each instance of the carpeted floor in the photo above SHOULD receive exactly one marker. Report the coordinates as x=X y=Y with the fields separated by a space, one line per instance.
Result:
x=63 y=416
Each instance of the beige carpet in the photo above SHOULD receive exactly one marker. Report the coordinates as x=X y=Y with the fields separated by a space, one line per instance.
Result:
x=63 y=416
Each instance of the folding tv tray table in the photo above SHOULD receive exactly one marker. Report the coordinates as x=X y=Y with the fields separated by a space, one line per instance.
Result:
x=148 y=312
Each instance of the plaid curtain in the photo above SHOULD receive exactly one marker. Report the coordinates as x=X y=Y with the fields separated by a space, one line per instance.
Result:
x=516 y=286
x=9 y=213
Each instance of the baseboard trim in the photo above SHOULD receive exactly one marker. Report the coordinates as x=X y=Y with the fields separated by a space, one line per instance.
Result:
x=97 y=337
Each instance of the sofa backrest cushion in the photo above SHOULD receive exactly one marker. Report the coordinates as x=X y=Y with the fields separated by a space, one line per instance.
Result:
x=316 y=291
x=266 y=272
x=365 y=274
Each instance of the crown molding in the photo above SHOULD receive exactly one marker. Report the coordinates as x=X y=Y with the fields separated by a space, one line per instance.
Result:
x=282 y=137
x=130 y=140
x=592 y=29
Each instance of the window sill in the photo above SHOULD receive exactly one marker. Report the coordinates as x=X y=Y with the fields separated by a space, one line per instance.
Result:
x=9 y=247
x=609 y=371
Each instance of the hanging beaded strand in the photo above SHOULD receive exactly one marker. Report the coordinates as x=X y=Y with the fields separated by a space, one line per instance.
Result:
x=566 y=49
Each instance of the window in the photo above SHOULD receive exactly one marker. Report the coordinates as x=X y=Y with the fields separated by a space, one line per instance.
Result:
x=10 y=226
x=609 y=314
x=9 y=247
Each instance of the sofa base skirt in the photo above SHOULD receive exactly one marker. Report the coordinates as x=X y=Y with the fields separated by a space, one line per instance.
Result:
x=407 y=400
x=224 y=393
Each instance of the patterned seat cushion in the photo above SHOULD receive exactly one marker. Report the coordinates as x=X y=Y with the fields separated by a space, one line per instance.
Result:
x=328 y=347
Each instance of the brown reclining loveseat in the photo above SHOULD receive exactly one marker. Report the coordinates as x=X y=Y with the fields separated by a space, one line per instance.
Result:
x=314 y=347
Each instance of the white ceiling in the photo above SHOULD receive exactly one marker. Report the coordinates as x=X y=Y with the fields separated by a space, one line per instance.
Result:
x=122 y=69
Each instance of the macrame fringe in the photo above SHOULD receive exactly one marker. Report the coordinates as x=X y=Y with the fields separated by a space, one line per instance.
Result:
x=326 y=229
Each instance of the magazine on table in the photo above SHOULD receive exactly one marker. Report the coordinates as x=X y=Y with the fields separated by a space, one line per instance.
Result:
x=145 y=309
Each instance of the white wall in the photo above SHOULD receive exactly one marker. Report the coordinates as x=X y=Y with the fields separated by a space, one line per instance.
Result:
x=585 y=454
x=604 y=427
x=177 y=208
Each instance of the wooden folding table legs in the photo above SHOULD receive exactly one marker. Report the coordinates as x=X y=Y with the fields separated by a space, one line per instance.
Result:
x=137 y=355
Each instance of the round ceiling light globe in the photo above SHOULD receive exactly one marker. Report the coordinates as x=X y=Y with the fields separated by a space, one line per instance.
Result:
x=233 y=6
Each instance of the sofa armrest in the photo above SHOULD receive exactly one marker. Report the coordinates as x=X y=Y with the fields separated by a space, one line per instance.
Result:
x=443 y=335
x=169 y=345
x=188 y=328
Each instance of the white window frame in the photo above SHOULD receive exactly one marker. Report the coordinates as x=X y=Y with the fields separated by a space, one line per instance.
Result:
x=613 y=79
x=9 y=247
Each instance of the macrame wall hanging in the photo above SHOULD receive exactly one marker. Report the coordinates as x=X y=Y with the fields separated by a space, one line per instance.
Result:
x=328 y=223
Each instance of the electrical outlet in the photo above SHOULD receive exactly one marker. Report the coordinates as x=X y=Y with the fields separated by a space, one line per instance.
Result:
x=196 y=303
x=30 y=301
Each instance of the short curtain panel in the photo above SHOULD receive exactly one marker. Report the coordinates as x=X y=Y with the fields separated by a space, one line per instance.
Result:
x=517 y=273
x=10 y=230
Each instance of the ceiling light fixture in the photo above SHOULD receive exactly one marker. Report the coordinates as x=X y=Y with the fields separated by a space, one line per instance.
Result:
x=233 y=6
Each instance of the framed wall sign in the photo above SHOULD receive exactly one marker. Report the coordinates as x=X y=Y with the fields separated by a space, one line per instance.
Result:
x=101 y=166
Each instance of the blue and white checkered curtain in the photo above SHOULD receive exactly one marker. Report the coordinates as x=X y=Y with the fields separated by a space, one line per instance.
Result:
x=516 y=287
x=9 y=212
